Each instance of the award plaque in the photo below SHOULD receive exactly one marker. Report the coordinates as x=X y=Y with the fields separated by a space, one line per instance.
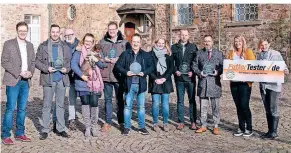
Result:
x=184 y=68
x=112 y=53
x=58 y=64
x=135 y=67
x=208 y=69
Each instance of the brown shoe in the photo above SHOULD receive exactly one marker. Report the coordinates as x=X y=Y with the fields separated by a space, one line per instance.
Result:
x=201 y=130
x=106 y=127
x=193 y=126
x=166 y=128
x=215 y=131
x=180 y=126
x=156 y=128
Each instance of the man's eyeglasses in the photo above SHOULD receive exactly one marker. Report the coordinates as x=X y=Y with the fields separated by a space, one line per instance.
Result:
x=22 y=31
x=111 y=29
x=70 y=35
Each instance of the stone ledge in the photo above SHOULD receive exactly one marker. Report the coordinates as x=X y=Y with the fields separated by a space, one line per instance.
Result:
x=185 y=27
x=244 y=23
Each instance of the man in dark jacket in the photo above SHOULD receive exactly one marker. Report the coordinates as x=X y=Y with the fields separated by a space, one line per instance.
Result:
x=184 y=53
x=53 y=60
x=112 y=45
x=135 y=64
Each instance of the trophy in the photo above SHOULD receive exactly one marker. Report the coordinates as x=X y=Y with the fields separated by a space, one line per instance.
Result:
x=112 y=53
x=208 y=69
x=184 y=68
x=58 y=64
x=135 y=67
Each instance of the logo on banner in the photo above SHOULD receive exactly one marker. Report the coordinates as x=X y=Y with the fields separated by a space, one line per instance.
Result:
x=230 y=74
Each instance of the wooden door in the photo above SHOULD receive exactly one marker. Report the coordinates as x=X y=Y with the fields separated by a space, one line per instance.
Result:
x=129 y=30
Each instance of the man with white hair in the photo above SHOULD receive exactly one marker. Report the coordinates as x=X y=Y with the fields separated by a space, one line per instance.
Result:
x=72 y=42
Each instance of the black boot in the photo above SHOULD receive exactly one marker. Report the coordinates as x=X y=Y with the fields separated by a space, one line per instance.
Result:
x=270 y=124
x=275 y=127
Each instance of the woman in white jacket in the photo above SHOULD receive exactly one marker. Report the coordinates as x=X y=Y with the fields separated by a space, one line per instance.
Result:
x=270 y=92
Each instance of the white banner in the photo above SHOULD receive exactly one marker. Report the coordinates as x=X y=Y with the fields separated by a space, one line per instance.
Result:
x=254 y=70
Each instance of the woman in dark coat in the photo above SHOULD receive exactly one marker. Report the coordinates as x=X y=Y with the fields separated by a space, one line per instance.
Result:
x=160 y=81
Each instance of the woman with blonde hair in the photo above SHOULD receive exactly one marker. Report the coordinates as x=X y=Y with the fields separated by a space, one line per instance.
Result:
x=160 y=81
x=88 y=82
x=241 y=90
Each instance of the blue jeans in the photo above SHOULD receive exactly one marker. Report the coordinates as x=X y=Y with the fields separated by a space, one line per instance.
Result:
x=15 y=94
x=190 y=88
x=108 y=93
x=157 y=98
x=140 y=107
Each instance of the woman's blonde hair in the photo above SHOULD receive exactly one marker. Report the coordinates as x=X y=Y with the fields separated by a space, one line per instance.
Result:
x=244 y=44
x=167 y=45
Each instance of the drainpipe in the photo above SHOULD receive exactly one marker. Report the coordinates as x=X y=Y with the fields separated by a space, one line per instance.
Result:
x=219 y=6
x=170 y=24
x=49 y=17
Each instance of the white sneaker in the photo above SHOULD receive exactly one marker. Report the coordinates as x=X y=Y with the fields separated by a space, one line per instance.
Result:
x=248 y=133
x=238 y=133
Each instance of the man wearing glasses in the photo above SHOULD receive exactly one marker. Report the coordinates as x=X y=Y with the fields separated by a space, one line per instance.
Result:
x=18 y=61
x=72 y=42
x=112 y=45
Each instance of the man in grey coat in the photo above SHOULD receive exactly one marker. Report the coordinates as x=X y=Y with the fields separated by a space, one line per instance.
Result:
x=208 y=66
x=53 y=60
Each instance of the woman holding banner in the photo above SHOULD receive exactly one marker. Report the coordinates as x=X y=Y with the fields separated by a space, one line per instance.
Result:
x=241 y=90
x=270 y=92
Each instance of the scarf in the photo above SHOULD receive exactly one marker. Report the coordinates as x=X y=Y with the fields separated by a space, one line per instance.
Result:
x=264 y=55
x=95 y=82
x=161 y=65
x=50 y=54
x=60 y=51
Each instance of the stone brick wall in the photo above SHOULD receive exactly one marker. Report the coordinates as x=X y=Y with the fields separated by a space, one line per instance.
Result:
x=11 y=14
x=91 y=18
x=274 y=23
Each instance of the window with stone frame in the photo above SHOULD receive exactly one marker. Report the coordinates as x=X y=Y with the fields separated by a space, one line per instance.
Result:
x=185 y=14
x=33 y=34
x=146 y=23
x=246 y=12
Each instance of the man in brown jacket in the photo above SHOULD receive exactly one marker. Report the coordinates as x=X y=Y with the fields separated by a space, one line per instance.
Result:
x=53 y=59
x=112 y=45
x=18 y=62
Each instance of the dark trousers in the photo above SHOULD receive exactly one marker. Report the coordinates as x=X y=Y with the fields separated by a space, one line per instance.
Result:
x=270 y=99
x=190 y=88
x=108 y=94
x=241 y=93
x=91 y=99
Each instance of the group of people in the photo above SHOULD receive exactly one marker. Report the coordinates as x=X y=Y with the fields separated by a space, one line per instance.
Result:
x=88 y=68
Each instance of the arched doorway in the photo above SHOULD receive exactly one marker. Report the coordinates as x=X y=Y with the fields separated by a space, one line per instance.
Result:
x=129 y=30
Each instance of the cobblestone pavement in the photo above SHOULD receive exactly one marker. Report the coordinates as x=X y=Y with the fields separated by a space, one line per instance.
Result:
x=173 y=141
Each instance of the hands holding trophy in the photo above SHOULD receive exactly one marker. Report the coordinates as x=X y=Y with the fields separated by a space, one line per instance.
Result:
x=208 y=70
x=135 y=69
x=184 y=68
